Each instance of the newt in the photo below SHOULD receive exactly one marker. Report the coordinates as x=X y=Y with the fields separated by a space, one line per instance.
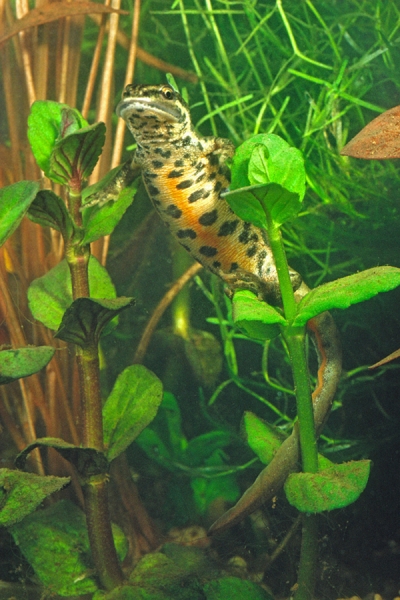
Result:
x=185 y=176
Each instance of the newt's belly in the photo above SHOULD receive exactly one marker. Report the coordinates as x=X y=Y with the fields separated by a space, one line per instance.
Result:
x=189 y=202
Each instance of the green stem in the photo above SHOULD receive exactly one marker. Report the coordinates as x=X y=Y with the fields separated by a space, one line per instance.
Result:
x=94 y=488
x=308 y=558
x=295 y=339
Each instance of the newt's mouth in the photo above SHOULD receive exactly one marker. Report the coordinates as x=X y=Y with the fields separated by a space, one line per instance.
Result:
x=128 y=106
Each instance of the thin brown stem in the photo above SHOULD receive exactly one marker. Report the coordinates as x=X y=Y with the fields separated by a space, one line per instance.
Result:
x=161 y=308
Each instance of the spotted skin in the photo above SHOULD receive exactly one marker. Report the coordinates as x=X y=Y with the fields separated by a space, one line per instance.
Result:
x=185 y=175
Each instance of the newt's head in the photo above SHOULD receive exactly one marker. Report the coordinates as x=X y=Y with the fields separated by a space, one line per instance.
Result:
x=154 y=113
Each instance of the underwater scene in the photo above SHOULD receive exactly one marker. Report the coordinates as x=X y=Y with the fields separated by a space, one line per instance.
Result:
x=199 y=300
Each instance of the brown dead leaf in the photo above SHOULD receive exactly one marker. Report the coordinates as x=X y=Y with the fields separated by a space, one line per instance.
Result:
x=53 y=11
x=380 y=139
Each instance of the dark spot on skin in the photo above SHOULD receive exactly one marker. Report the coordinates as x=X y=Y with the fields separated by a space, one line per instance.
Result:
x=163 y=153
x=208 y=218
x=200 y=177
x=194 y=196
x=206 y=194
x=157 y=164
x=158 y=202
x=251 y=251
x=183 y=185
x=253 y=237
x=212 y=176
x=213 y=159
x=150 y=175
x=216 y=264
x=217 y=186
x=186 y=140
x=245 y=235
x=208 y=251
x=186 y=233
x=234 y=267
x=153 y=191
x=260 y=261
x=173 y=211
x=186 y=155
x=198 y=166
x=179 y=163
x=176 y=173
x=228 y=227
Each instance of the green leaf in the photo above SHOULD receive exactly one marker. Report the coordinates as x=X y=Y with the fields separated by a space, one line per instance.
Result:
x=100 y=220
x=131 y=406
x=152 y=444
x=84 y=321
x=21 y=493
x=333 y=487
x=262 y=438
x=168 y=423
x=49 y=210
x=346 y=291
x=22 y=362
x=200 y=448
x=235 y=588
x=207 y=491
x=75 y=155
x=256 y=318
x=267 y=158
x=254 y=202
x=87 y=461
x=14 y=202
x=55 y=543
x=48 y=121
x=50 y=296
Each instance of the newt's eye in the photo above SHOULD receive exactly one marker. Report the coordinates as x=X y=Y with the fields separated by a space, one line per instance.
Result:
x=167 y=92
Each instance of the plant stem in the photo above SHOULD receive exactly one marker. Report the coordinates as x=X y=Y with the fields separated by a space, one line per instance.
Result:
x=94 y=488
x=295 y=339
x=308 y=558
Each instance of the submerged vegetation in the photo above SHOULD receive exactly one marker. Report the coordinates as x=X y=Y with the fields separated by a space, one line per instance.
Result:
x=313 y=73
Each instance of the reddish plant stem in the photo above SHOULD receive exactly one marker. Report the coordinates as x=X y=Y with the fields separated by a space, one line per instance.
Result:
x=94 y=488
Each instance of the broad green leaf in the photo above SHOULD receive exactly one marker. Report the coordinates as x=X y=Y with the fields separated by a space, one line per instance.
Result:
x=262 y=438
x=152 y=444
x=278 y=163
x=200 y=448
x=246 y=205
x=254 y=202
x=22 y=493
x=101 y=220
x=256 y=318
x=87 y=461
x=85 y=320
x=49 y=210
x=50 y=296
x=235 y=588
x=207 y=491
x=75 y=155
x=346 y=291
x=48 y=121
x=334 y=487
x=131 y=406
x=274 y=160
x=23 y=362
x=14 y=202
x=55 y=543
x=168 y=423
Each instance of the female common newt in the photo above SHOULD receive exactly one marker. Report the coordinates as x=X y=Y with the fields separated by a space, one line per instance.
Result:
x=185 y=175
